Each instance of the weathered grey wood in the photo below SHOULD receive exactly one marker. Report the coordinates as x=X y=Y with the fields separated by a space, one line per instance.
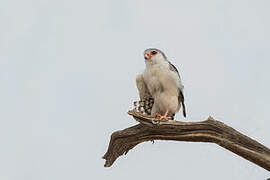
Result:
x=210 y=130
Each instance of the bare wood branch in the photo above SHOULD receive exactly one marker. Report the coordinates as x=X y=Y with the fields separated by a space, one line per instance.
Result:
x=210 y=130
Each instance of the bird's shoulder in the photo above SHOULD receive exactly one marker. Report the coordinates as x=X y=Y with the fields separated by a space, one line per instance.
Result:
x=177 y=77
x=173 y=68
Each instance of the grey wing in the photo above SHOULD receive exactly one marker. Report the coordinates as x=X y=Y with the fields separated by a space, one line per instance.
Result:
x=142 y=88
x=173 y=68
x=181 y=98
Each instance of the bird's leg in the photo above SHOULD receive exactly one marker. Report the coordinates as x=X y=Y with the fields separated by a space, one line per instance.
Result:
x=165 y=116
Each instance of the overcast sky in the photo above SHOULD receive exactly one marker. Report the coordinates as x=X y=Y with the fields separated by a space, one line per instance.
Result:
x=67 y=74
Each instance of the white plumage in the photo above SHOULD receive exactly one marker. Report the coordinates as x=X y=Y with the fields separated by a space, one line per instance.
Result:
x=162 y=82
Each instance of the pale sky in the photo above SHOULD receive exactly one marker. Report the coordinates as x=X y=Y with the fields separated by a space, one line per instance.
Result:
x=67 y=73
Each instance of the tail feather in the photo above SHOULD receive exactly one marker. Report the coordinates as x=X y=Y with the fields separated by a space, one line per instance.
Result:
x=184 y=109
x=182 y=99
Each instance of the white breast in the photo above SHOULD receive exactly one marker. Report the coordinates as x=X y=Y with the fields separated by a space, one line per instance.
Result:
x=159 y=78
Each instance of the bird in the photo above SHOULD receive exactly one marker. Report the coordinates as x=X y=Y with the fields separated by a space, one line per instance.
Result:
x=161 y=82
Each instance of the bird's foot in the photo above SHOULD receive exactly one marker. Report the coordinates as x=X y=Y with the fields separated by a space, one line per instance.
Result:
x=165 y=116
x=162 y=117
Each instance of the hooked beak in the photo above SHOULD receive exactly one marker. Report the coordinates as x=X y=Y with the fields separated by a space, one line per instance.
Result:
x=147 y=56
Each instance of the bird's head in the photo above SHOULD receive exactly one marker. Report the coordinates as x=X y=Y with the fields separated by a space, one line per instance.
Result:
x=154 y=56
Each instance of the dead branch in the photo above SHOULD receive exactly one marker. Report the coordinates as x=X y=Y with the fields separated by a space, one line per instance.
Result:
x=210 y=130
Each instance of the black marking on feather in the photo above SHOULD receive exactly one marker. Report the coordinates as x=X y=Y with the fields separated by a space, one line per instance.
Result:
x=144 y=106
x=173 y=68
x=182 y=99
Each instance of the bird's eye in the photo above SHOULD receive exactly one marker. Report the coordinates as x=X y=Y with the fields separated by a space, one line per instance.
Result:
x=154 y=52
